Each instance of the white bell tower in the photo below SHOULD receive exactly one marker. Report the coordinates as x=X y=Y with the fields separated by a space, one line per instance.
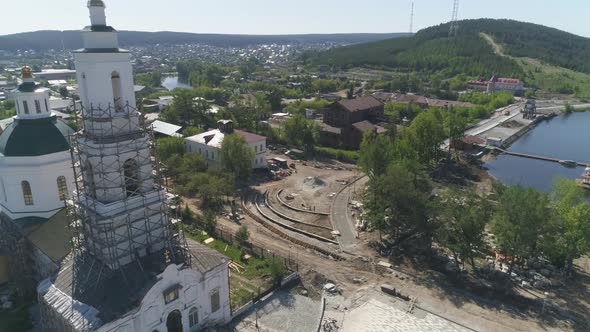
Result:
x=120 y=202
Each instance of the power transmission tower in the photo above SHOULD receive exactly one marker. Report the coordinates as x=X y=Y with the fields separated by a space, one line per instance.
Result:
x=412 y=18
x=454 y=20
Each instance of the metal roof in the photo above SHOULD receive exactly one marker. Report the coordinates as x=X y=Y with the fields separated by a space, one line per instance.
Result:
x=35 y=137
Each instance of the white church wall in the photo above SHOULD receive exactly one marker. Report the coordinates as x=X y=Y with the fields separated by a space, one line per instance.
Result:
x=41 y=172
x=194 y=292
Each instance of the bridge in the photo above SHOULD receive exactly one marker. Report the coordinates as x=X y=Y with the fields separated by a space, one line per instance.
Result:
x=531 y=156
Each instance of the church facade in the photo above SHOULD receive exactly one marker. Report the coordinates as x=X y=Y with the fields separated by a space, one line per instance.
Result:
x=130 y=268
x=36 y=179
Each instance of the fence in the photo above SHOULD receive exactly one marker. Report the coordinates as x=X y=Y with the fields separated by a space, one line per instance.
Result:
x=253 y=249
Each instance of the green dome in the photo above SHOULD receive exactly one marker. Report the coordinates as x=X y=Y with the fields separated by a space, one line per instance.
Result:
x=35 y=137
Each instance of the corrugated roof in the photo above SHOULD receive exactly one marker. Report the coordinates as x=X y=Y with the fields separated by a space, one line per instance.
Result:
x=166 y=128
x=204 y=259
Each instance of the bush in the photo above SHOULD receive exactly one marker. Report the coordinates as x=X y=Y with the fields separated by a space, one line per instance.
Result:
x=243 y=235
x=347 y=156
x=278 y=270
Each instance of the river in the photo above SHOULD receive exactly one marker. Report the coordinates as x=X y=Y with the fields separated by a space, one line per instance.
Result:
x=172 y=83
x=566 y=137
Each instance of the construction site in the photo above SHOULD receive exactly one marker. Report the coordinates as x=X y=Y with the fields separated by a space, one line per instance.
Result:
x=314 y=216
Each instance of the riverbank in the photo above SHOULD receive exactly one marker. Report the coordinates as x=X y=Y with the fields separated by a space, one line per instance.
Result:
x=564 y=137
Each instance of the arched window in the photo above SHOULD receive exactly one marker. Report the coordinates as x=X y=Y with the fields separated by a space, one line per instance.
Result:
x=117 y=91
x=62 y=188
x=131 y=173
x=26 y=106
x=37 y=106
x=89 y=183
x=27 y=193
x=193 y=317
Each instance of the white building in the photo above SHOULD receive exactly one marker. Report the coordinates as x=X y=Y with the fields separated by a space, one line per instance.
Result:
x=35 y=179
x=208 y=144
x=132 y=271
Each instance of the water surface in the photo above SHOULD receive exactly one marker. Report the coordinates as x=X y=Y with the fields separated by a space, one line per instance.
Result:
x=566 y=137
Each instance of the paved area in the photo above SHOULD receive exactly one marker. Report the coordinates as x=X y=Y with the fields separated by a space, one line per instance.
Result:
x=284 y=311
x=372 y=311
x=342 y=218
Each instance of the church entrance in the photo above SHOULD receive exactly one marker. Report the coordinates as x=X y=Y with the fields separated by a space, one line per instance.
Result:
x=174 y=321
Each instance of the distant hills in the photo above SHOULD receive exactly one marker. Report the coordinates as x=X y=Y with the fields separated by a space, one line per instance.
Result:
x=44 y=40
x=431 y=50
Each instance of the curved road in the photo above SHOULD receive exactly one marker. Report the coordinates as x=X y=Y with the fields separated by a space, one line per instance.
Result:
x=341 y=215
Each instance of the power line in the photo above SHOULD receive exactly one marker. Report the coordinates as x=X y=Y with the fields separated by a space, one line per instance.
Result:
x=454 y=20
x=412 y=18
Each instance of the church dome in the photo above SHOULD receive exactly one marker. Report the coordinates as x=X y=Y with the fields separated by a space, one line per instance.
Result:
x=35 y=137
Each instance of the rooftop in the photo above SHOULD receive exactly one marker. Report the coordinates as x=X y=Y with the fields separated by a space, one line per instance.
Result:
x=166 y=128
x=215 y=137
x=115 y=293
x=360 y=104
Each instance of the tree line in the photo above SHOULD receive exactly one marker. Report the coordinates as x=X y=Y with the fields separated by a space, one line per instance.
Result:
x=400 y=203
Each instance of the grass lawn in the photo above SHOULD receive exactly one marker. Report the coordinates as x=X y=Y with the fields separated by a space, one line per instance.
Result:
x=16 y=320
x=254 y=278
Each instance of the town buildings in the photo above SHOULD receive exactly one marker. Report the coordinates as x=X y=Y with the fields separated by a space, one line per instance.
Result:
x=346 y=121
x=208 y=144
x=498 y=84
x=130 y=268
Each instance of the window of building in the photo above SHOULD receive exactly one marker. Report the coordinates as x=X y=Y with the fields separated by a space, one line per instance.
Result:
x=215 y=301
x=171 y=294
x=200 y=152
x=255 y=149
x=207 y=154
x=27 y=193
x=193 y=317
x=131 y=173
x=261 y=148
x=46 y=106
x=256 y=161
x=62 y=188
x=190 y=148
x=89 y=183
x=212 y=155
x=26 y=106
x=117 y=91
x=37 y=106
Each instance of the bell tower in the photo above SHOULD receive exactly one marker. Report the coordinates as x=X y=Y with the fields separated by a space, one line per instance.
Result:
x=120 y=201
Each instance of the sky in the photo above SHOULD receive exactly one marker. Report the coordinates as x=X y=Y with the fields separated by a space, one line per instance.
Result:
x=286 y=16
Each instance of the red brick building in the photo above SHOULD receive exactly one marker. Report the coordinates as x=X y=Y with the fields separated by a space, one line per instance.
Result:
x=346 y=121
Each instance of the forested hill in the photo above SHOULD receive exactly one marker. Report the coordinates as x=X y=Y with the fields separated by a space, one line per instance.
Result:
x=432 y=50
x=44 y=40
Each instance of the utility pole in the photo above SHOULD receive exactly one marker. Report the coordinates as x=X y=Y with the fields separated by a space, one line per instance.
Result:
x=454 y=23
x=412 y=18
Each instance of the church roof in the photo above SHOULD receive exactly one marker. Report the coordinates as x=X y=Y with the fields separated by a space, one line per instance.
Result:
x=35 y=137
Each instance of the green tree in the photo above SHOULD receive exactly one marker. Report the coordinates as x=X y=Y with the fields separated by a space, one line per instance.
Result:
x=237 y=156
x=428 y=134
x=242 y=235
x=63 y=91
x=278 y=270
x=169 y=146
x=520 y=221
x=455 y=126
x=463 y=220
x=299 y=131
x=191 y=131
x=375 y=154
x=397 y=203
x=569 y=234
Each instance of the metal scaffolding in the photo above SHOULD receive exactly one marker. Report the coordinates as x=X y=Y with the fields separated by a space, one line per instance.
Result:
x=115 y=139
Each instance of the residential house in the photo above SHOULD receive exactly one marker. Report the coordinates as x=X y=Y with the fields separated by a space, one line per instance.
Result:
x=208 y=144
